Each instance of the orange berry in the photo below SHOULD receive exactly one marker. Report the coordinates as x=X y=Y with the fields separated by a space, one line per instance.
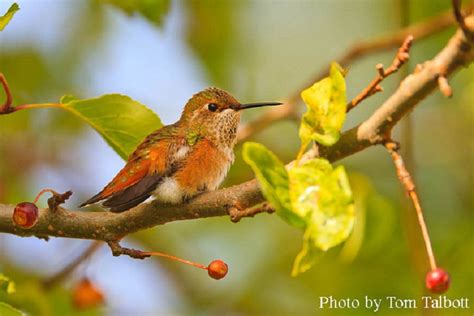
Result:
x=217 y=269
x=86 y=295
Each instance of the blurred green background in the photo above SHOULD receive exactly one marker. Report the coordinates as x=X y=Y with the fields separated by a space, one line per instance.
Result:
x=257 y=50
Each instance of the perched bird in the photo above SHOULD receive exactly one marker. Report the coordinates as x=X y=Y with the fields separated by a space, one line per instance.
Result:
x=181 y=160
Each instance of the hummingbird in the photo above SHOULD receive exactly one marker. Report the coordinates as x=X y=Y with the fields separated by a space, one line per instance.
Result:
x=183 y=159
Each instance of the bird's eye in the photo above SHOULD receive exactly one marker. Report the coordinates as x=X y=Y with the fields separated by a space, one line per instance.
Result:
x=212 y=107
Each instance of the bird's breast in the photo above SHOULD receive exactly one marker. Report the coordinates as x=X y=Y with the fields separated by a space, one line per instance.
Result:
x=203 y=169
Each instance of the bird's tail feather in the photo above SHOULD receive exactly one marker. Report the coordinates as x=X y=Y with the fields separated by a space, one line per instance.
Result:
x=96 y=198
x=134 y=195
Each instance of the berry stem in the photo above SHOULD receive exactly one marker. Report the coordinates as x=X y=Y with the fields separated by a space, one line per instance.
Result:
x=44 y=191
x=406 y=180
x=424 y=229
x=160 y=254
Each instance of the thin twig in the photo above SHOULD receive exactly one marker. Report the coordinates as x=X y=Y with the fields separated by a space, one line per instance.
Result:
x=400 y=59
x=71 y=267
x=118 y=250
x=407 y=182
x=444 y=86
x=237 y=214
x=7 y=106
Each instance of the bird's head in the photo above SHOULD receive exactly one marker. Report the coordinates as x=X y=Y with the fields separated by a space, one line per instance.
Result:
x=214 y=111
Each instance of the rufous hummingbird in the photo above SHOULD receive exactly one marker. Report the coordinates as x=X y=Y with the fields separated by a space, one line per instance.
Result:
x=181 y=160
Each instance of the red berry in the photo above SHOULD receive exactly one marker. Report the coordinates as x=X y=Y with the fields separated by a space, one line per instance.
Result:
x=25 y=215
x=437 y=281
x=86 y=295
x=217 y=269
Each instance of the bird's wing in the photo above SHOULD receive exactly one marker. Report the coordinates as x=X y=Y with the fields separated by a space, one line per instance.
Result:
x=140 y=176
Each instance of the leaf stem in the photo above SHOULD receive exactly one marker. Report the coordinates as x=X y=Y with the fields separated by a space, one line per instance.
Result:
x=36 y=106
x=7 y=105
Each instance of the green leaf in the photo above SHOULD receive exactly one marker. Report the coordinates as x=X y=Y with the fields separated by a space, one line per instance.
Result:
x=6 y=285
x=121 y=121
x=153 y=10
x=8 y=310
x=273 y=179
x=322 y=196
x=5 y=19
x=313 y=196
x=305 y=185
x=334 y=217
x=308 y=255
x=326 y=109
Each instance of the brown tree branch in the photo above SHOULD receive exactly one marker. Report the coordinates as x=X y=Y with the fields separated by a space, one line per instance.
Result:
x=288 y=110
x=110 y=227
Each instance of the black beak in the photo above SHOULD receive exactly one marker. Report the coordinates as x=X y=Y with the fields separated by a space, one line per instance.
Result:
x=239 y=107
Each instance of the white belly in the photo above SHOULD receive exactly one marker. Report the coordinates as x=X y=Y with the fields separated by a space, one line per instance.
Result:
x=168 y=191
